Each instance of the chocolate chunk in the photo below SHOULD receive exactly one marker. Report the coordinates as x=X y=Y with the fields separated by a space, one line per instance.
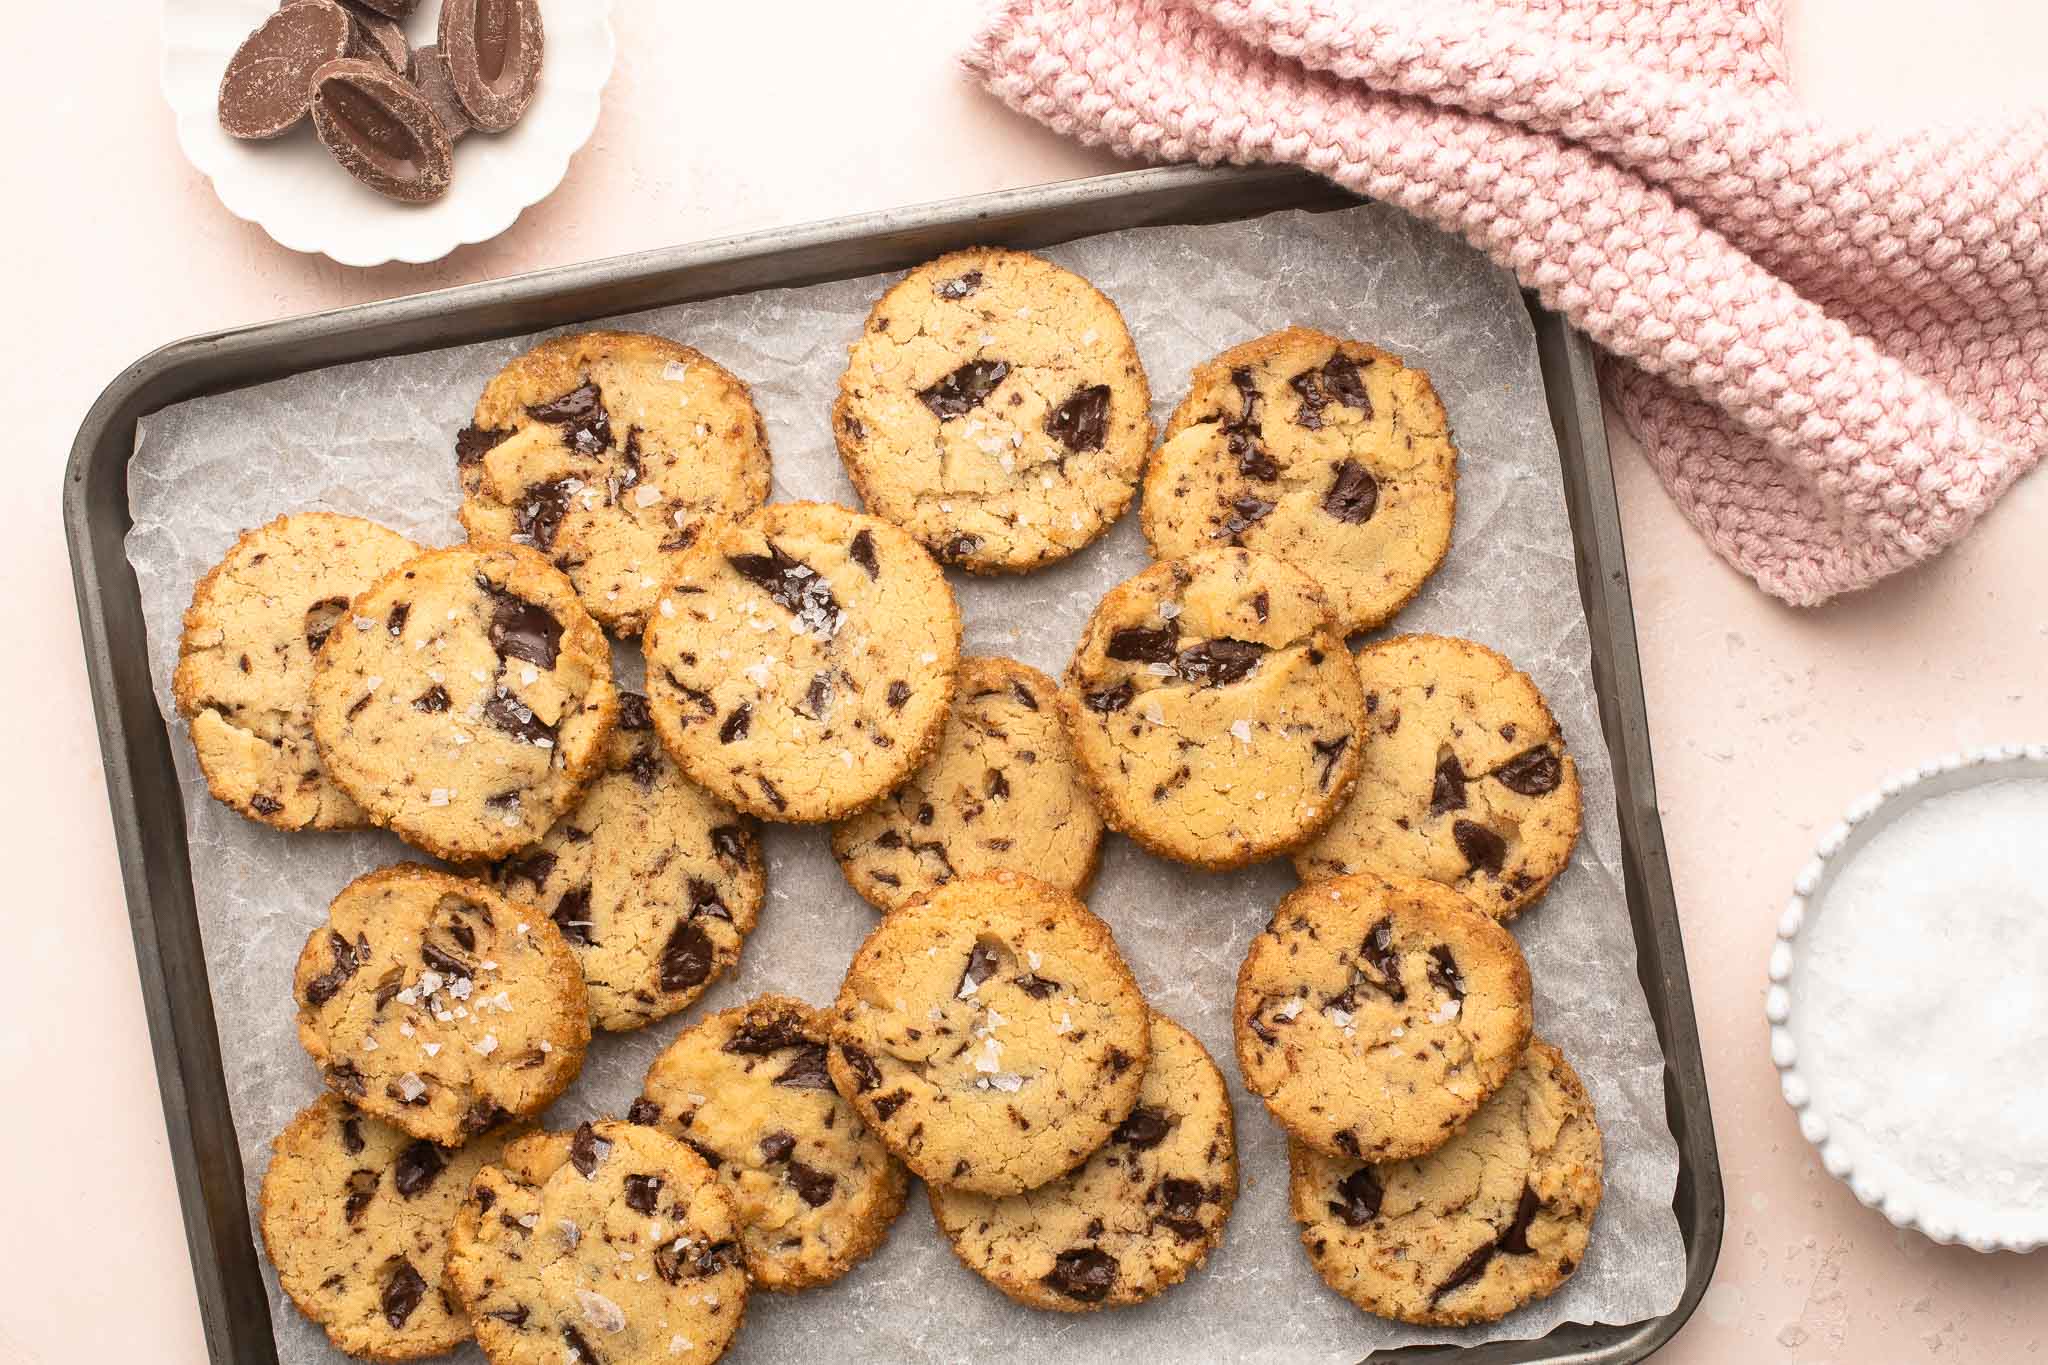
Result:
x=579 y=1349
x=777 y=1146
x=1253 y=461
x=433 y=701
x=581 y=414
x=888 y=1104
x=403 y=1290
x=729 y=842
x=959 y=548
x=1444 y=973
x=1085 y=1274
x=377 y=37
x=686 y=958
x=516 y=719
x=705 y=900
x=959 y=287
x=1218 y=663
x=268 y=85
x=416 y=1167
x=794 y=586
x=394 y=9
x=736 y=724
x=862 y=552
x=1023 y=696
x=1482 y=848
x=965 y=389
x=1378 y=951
x=807 y=1072
x=328 y=984
x=1036 y=986
x=1531 y=772
x=473 y=442
x=266 y=805
x=1181 y=1200
x=1145 y=645
x=525 y=630
x=711 y=1158
x=1515 y=1241
x=899 y=693
x=538 y=517
x=1110 y=700
x=643 y=1111
x=381 y=130
x=1447 y=792
x=437 y=85
x=982 y=960
x=1146 y=1127
x=1327 y=752
x=515 y=1315
x=1359 y=1196
x=587 y=1150
x=1354 y=495
x=773 y=793
x=813 y=1186
x=362 y=1188
x=818 y=696
x=483 y=1116
x=352 y=1134
x=759 y=1038
x=1246 y=511
x=865 y=1074
x=633 y=714
x=1345 y=379
x=572 y=915
x=1082 y=421
x=642 y=1191
x=343 y=1078
x=716 y=1257
x=493 y=51
x=321 y=619
x=1468 y=1270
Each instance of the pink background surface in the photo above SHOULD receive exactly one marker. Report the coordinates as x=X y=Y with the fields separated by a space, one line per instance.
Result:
x=725 y=118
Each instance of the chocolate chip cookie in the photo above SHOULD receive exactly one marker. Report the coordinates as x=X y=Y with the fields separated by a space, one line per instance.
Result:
x=994 y=407
x=1002 y=791
x=355 y=1216
x=1375 y=1015
x=245 y=662
x=608 y=452
x=466 y=700
x=800 y=663
x=1329 y=454
x=1214 y=709
x=653 y=881
x=612 y=1245
x=435 y=1004
x=1465 y=779
x=1496 y=1218
x=747 y=1090
x=991 y=1034
x=1142 y=1212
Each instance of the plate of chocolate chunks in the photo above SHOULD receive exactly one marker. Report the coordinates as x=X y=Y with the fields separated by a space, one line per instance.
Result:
x=372 y=131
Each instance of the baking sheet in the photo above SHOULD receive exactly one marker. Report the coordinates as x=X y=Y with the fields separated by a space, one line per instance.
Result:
x=376 y=439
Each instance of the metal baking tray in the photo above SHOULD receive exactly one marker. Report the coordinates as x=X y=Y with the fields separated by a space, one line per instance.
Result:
x=142 y=784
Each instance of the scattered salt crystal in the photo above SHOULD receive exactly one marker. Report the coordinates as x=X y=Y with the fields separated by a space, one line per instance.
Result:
x=364 y=623
x=369 y=1043
x=529 y=675
x=1032 y=959
x=1066 y=1023
x=1008 y=1081
x=600 y=1312
x=1289 y=1009
x=928 y=657
x=486 y=1045
x=1242 y=729
x=675 y=372
x=679 y=1343
x=411 y=1087
x=438 y=797
x=431 y=1049
x=1340 y=1017
x=527 y=1220
x=991 y=1055
x=373 y=682
x=546 y=1046
x=1168 y=610
x=646 y=495
x=1160 y=669
x=1445 y=1012
x=668 y=608
x=405 y=1028
x=1088 y=337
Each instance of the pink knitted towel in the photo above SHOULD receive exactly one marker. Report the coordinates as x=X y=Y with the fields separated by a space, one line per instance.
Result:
x=1831 y=340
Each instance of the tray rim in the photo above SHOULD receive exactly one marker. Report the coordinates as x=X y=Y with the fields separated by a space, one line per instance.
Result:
x=182 y=1029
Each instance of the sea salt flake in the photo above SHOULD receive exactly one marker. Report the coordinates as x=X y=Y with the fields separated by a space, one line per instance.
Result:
x=1242 y=730
x=411 y=1087
x=1289 y=1009
x=486 y=1045
x=1445 y=1012
x=646 y=495
x=600 y=1312
x=1168 y=610
x=431 y=1049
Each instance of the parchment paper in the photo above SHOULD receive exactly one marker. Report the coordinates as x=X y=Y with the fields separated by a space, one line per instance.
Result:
x=376 y=439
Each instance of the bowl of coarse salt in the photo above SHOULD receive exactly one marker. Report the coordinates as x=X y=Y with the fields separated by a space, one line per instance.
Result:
x=1909 y=999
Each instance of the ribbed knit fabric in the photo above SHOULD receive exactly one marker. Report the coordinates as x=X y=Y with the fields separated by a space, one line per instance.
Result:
x=1831 y=340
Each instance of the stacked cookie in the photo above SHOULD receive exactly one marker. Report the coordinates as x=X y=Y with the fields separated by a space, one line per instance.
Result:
x=804 y=666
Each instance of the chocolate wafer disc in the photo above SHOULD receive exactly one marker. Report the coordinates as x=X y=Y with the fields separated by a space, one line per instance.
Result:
x=382 y=130
x=493 y=51
x=268 y=85
x=376 y=38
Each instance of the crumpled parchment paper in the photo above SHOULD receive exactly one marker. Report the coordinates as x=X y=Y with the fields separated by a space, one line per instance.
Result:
x=376 y=439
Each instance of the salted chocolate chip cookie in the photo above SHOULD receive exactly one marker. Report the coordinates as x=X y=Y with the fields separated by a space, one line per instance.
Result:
x=1375 y=1015
x=1464 y=780
x=1142 y=1212
x=608 y=452
x=653 y=881
x=1214 y=709
x=466 y=700
x=435 y=1004
x=612 y=1245
x=1497 y=1217
x=1002 y=791
x=994 y=407
x=1329 y=454
x=800 y=663
x=748 y=1091
x=991 y=1034
x=355 y=1216
x=245 y=662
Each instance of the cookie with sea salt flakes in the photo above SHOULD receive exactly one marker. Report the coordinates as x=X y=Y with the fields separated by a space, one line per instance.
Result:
x=994 y=407
x=1330 y=454
x=1375 y=1015
x=748 y=1091
x=466 y=702
x=1464 y=778
x=245 y=662
x=653 y=881
x=800 y=663
x=355 y=1216
x=608 y=452
x=991 y=1034
x=1137 y=1216
x=1002 y=791
x=433 y=1003
x=1496 y=1218
x=1214 y=709
x=612 y=1245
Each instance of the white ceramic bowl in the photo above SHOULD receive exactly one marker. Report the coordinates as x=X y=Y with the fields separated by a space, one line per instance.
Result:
x=1907 y=1204
x=292 y=189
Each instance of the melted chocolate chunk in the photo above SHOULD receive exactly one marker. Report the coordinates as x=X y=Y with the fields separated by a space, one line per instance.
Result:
x=1447 y=792
x=517 y=719
x=1345 y=379
x=1084 y=1274
x=520 y=629
x=899 y=693
x=1146 y=1127
x=736 y=724
x=416 y=1167
x=572 y=915
x=403 y=1290
x=345 y=1079
x=686 y=958
x=865 y=1074
x=716 y=1257
x=1219 y=663
x=1327 y=752
x=1483 y=849
x=587 y=1150
x=729 y=842
x=473 y=442
x=1023 y=696
x=644 y=766
x=644 y=1112
x=1246 y=511
x=633 y=713
x=808 y=1071
x=711 y=1158
x=793 y=585
x=482 y=1117
x=888 y=1104
x=1109 y=700
x=1358 y=1197
x=266 y=805
x=862 y=552
x=1145 y=644
x=328 y=984
x=705 y=900
x=642 y=1191
x=959 y=287
x=777 y=1146
x=1531 y=772
x=1515 y=1241
x=959 y=548
x=1082 y=421
x=352 y=1134
x=580 y=1350
x=982 y=960
x=813 y=1186
x=362 y=1188
x=1444 y=973
x=515 y=1315
x=1037 y=987
x=1378 y=951
x=759 y=1038
x=580 y=413
x=433 y=701
x=538 y=517
x=965 y=389
x=818 y=697
x=1354 y=494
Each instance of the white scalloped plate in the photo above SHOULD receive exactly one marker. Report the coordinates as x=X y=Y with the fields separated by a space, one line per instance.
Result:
x=291 y=188
x=1907 y=1203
